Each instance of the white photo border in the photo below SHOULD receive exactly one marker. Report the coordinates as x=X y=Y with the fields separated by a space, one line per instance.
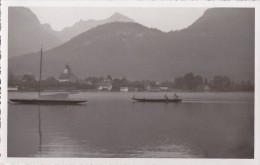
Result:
x=125 y=161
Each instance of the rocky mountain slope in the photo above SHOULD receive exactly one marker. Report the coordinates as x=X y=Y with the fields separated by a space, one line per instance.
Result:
x=26 y=34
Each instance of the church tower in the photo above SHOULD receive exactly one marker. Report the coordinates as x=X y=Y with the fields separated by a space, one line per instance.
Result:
x=67 y=69
x=67 y=75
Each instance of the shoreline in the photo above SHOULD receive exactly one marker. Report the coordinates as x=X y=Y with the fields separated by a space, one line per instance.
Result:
x=96 y=91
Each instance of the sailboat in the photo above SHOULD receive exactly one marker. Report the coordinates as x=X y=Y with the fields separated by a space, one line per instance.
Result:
x=57 y=98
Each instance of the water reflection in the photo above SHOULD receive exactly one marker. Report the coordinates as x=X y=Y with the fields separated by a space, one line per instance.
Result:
x=112 y=126
x=40 y=131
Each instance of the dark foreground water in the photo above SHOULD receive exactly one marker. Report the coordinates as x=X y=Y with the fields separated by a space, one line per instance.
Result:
x=205 y=125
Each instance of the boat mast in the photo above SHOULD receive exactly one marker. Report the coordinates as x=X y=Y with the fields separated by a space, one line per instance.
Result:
x=40 y=79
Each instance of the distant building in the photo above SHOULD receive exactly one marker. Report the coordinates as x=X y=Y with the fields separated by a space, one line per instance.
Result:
x=104 y=86
x=164 y=88
x=151 y=89
x=154 y=89
x=12 y=88
x=203 y=88
x=67 y=75
x=124 y=89
x=147 y=87
x=133 y=89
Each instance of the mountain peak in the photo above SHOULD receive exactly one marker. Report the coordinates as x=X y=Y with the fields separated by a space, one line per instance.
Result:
x=85 y=25
x=118 y=17
x=117 y=14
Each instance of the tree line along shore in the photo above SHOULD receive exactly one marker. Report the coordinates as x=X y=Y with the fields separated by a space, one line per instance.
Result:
x=188 y=82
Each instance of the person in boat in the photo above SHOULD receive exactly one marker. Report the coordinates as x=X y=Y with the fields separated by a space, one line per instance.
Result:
x=176 y=96
x=166 y=97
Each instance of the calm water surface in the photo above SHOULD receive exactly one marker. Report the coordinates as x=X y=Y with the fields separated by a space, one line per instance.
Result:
x=205 y=125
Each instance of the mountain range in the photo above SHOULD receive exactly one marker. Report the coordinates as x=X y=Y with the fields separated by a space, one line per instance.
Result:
x=27 y=34
x=82 y=26
x=221 y=42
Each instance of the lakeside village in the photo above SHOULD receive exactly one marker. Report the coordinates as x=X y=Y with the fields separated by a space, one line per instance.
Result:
x=68 y=81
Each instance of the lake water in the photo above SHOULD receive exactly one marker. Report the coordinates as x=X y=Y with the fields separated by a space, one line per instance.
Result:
x=111 y=125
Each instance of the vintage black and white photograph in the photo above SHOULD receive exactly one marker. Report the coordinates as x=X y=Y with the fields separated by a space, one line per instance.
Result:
x=131 y=82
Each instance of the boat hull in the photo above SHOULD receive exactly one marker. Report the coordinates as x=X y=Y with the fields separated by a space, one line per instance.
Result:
x=158 y=100
x=45 y=101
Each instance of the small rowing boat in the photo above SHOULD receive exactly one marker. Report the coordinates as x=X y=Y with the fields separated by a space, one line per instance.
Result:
x=164 y=100
x=157 y=100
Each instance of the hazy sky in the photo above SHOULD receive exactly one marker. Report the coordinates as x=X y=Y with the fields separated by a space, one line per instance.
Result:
x=165 y=19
